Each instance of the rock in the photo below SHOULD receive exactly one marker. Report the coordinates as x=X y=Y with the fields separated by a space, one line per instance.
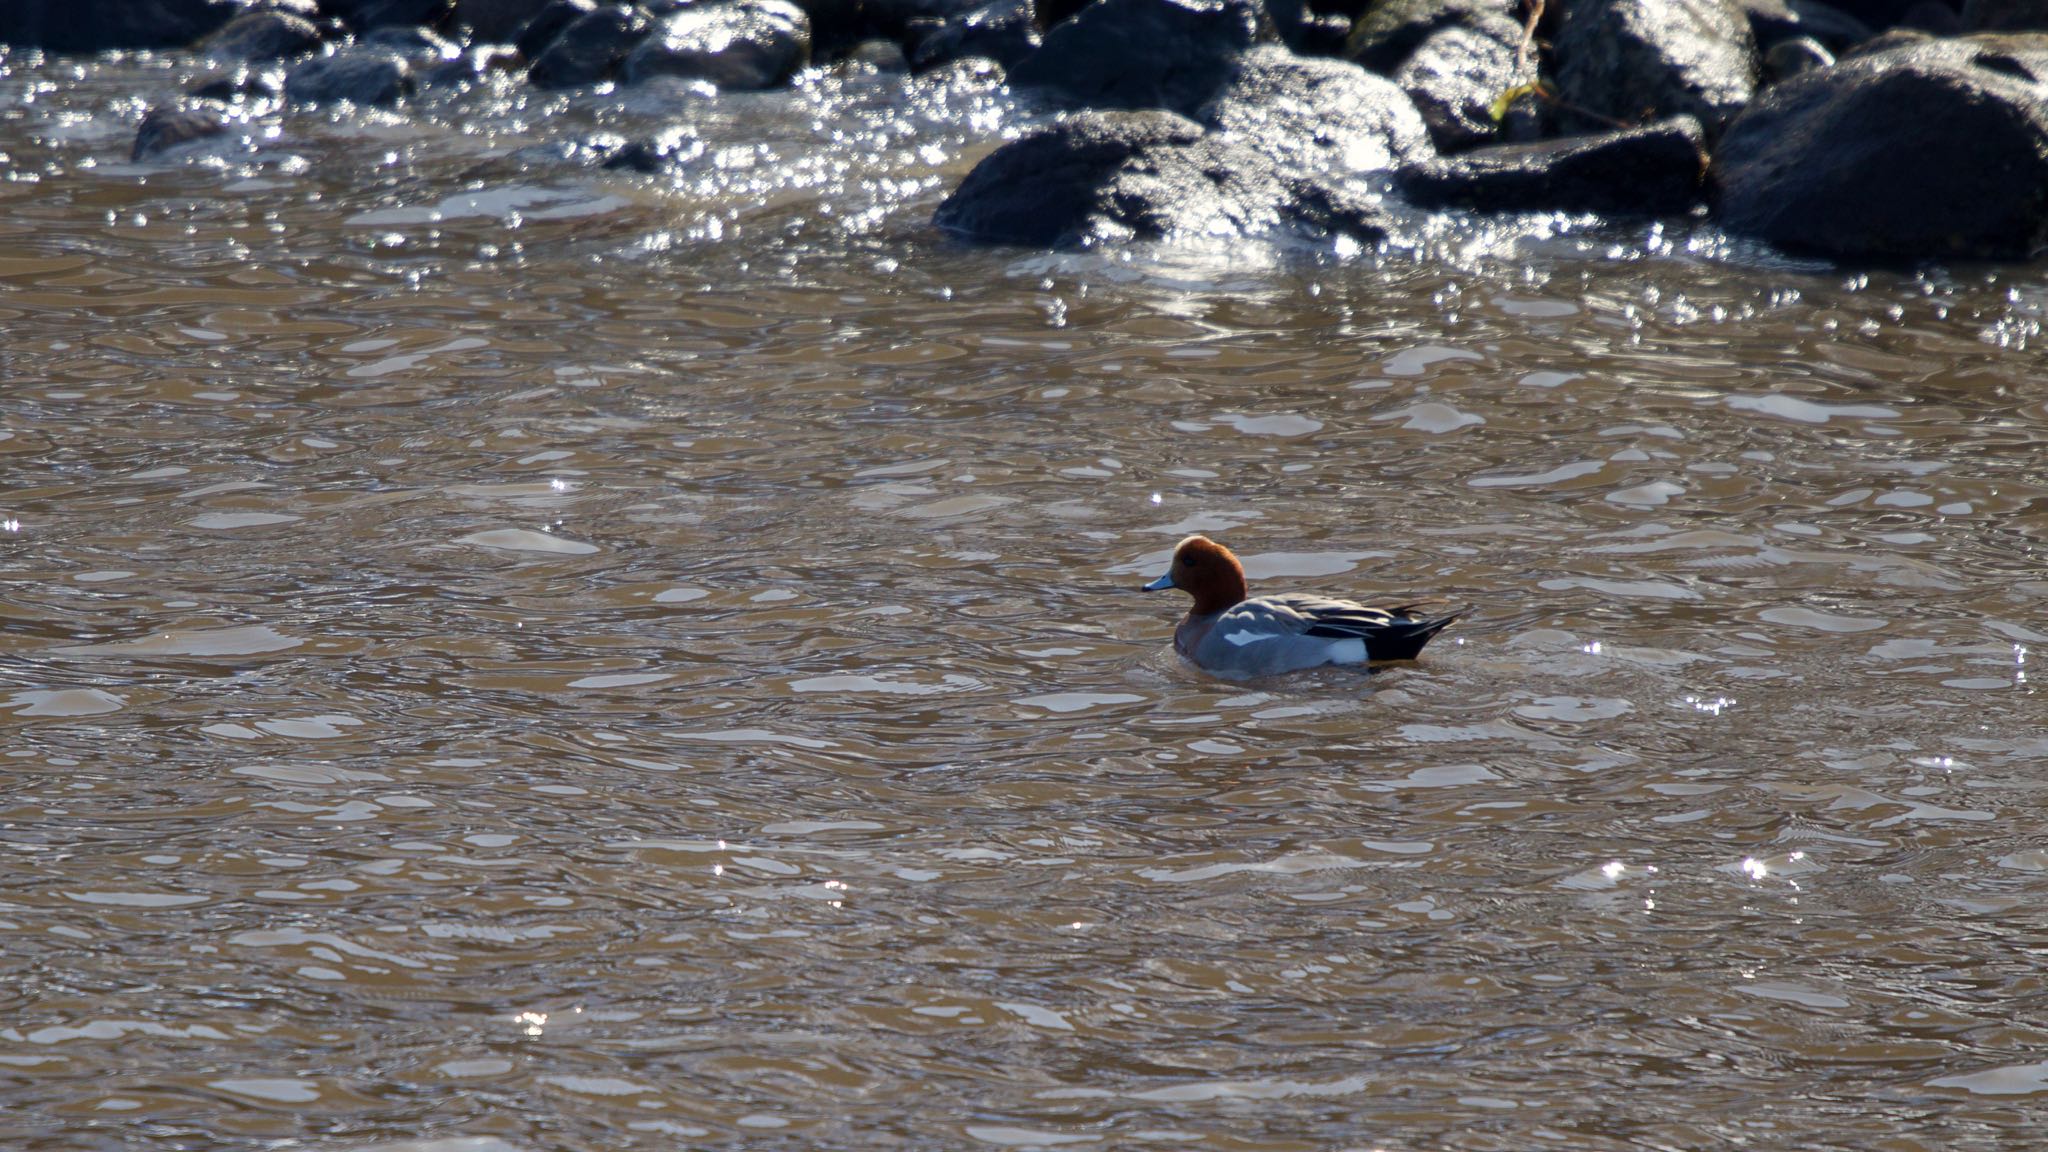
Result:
x=101 y=25
x=1170 y=54
x=497 y=21
x=549 y=23
x=738 y=44
x=1322 y=34
x=876 y=55
x=170 y=126
x=1103 y=177
x=1886 y=41
x=1658 y=169
x=2005 y=15
x=1933 y=16
x=364 y=15
x=589 y=48
x=1788 y=58
x=1931 y=150
x=1390 y=31
x=263 y=34
x=1003 y=31
x=239 y=85
x=1313 y=116
x=419 y=46
x=1773 y=20
x=1630 y=60
x=1455 y=75
x=1110 y=177
x=368 y=76
x=468 y=67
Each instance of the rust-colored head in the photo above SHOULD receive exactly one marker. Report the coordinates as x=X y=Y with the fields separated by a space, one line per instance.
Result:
x=1206 y=570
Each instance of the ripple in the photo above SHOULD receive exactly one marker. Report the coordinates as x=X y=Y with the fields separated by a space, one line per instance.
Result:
x=527 y=540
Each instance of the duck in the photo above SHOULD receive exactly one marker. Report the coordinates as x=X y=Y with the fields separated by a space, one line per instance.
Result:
x=1229 y=632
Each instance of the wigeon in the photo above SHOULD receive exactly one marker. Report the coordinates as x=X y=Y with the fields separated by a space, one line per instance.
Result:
x=1227 y=633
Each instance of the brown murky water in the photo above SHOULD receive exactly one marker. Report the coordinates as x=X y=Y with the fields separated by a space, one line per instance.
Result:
x=575 y=661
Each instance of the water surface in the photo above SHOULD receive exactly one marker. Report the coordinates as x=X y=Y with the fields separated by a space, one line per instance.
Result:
x=498 y=649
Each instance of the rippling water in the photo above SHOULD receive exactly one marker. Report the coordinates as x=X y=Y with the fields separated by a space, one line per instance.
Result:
x=574 y=660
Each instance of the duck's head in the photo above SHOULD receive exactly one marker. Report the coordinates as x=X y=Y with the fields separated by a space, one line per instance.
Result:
x=1206 y=570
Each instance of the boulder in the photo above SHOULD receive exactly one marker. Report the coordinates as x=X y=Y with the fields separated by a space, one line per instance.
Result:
x=169 y=126
x=262 y=34
x=1313 y=116
x=1658 y=169
x=548 y=23
x=420 y=46
x=1168 y=54
x=1388 y=32
x=1003 y=31
x=1109 y=177
x=363 y=15
x=369 y=76
x=1626 y=61
x=741 y=44
x=1773 y=20
x=496 y=21
x=2005 y=15
x=1455 y=75
x=239 y=85
x=589 y=48
x=1788 y=58
x=102 y=25
x=1934 y=150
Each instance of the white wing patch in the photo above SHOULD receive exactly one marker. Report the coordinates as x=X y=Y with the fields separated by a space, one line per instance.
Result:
x=1246 y=636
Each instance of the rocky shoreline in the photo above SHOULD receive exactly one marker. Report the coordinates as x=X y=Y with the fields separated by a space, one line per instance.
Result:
x=1861 y=130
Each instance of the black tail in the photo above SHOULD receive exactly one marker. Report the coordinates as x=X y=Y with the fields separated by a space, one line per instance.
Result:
x=1404 y=639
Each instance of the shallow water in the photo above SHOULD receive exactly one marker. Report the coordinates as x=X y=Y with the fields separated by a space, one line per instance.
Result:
x=587 y=661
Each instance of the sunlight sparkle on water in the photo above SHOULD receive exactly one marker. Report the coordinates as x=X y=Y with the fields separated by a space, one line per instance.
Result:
x=1592 y=649
x=1156 y=499
x=12 y=525
x=1713 y=707
x=531 y=1022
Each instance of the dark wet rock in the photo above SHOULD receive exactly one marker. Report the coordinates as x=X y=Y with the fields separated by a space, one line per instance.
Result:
x=240 y=85
x=590 y=48
x=647 y=156
x=1390 y=31
x=548 y=23
x=737 y=44
x=1051 y=13
x=1773 y=20
x=1933 y=16
x=1311 y=115
x=1003 y=31
x=1877 y=14
x=1455 y=75
x=1658 y=169
x=1322 y=34
x=496 y=21
x=419 y=46
x=100 y=25
x=367 y=76
x=364 y=15
x=468 y=67
x=264 y=34
x=1170 y=54
x=2005 y=15
x=1111 y=177
x=1935 y=150
x=170 y=126
x=1092 y=178
x=878 y=55
x=1626 y=61
x=1789 y=58
x=1889 y=40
